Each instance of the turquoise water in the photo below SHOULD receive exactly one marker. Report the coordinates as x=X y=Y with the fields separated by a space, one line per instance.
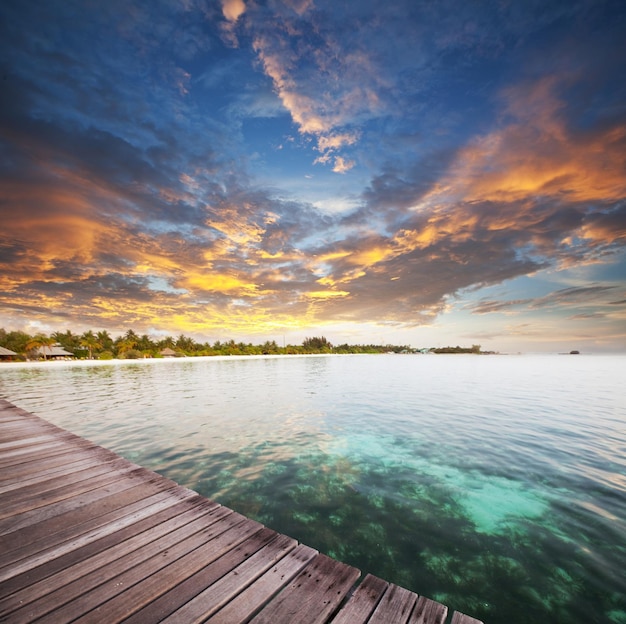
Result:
x=495 y=484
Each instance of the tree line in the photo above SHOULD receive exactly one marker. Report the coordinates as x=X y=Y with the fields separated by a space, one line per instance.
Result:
x=130 y=345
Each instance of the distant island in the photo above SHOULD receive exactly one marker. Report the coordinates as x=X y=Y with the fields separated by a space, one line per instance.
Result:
x=100 y=345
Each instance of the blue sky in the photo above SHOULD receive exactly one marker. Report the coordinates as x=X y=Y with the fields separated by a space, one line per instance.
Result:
x=423 y=173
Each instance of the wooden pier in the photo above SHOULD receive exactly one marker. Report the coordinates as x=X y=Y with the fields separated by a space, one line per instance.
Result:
x=86 y=536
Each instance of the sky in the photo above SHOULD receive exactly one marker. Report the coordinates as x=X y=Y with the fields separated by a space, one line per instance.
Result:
x=427 y=173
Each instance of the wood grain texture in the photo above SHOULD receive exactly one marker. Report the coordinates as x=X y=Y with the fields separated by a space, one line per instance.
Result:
x=363 y=602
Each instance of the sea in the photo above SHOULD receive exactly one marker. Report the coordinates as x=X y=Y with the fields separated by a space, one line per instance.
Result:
x=495 y=484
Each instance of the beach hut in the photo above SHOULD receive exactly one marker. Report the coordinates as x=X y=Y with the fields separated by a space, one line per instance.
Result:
x=54 y=352
x=6 y=354
x=167 y=352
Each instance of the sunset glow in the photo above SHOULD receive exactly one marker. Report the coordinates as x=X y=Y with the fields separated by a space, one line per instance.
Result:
x=415 y=173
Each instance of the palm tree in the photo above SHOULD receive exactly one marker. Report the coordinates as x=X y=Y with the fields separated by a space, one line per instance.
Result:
x=91 y=342
x=131 y=336
x=123 y=346
x=185 y=343
x=126 y=342
x=67 y=340
x=145 y=343
x=104 y=338
x=41 y=342
x=168 y=341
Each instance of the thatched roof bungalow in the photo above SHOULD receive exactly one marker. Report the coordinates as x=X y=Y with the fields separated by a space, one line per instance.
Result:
x=167 y=352
x=54 y=352
x=6 y=354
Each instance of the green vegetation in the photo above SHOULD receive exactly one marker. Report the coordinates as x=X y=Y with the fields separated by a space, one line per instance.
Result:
x=130 y=345
x=457 y=349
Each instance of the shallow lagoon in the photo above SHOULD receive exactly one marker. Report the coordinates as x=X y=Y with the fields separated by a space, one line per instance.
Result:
x=495 y=484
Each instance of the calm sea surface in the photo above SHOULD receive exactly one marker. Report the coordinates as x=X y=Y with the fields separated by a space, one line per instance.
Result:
x=495 y=484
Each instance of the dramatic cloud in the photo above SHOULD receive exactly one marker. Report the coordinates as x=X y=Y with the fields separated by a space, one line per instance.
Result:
x=249 y=168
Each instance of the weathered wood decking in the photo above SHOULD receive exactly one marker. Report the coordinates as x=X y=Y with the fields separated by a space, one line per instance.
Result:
x=86 y=536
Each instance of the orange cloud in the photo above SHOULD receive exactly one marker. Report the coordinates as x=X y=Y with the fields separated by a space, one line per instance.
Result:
x=216 y=282
x=372 y=255
x=537 y=154
x=407 y=240
x=607 y=228
x=233 y=9
x=326 y=294
x=237 y=227
x=342 y=165
x=337 y=140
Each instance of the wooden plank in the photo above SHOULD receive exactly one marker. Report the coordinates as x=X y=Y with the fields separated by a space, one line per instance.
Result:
x=14 y=431
x=219 y=583
x=34 y=516
x=363 y=602
x=428 y=612
x=461 y=618
x=23 y=421
x=57 y=449
x=33 y=468
x=16 y=415
x=124 y=592
x=167 y=603
x=104 y=477
x=313 y=595
x=24 y=424
x=62 y=469
x=23 y=434
x=27 y=428
x=17 y=430
x=9 y=415
x=14 y=456
x=51 y=560
x=19 y=440
x=155 y=604
x=248 y=602
x=51 y=531
x=32 y=424
x=7 y=409
x=9 y=412
x=128 y=497
x=395 y=606
x=48 y=487
x=84 y=570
